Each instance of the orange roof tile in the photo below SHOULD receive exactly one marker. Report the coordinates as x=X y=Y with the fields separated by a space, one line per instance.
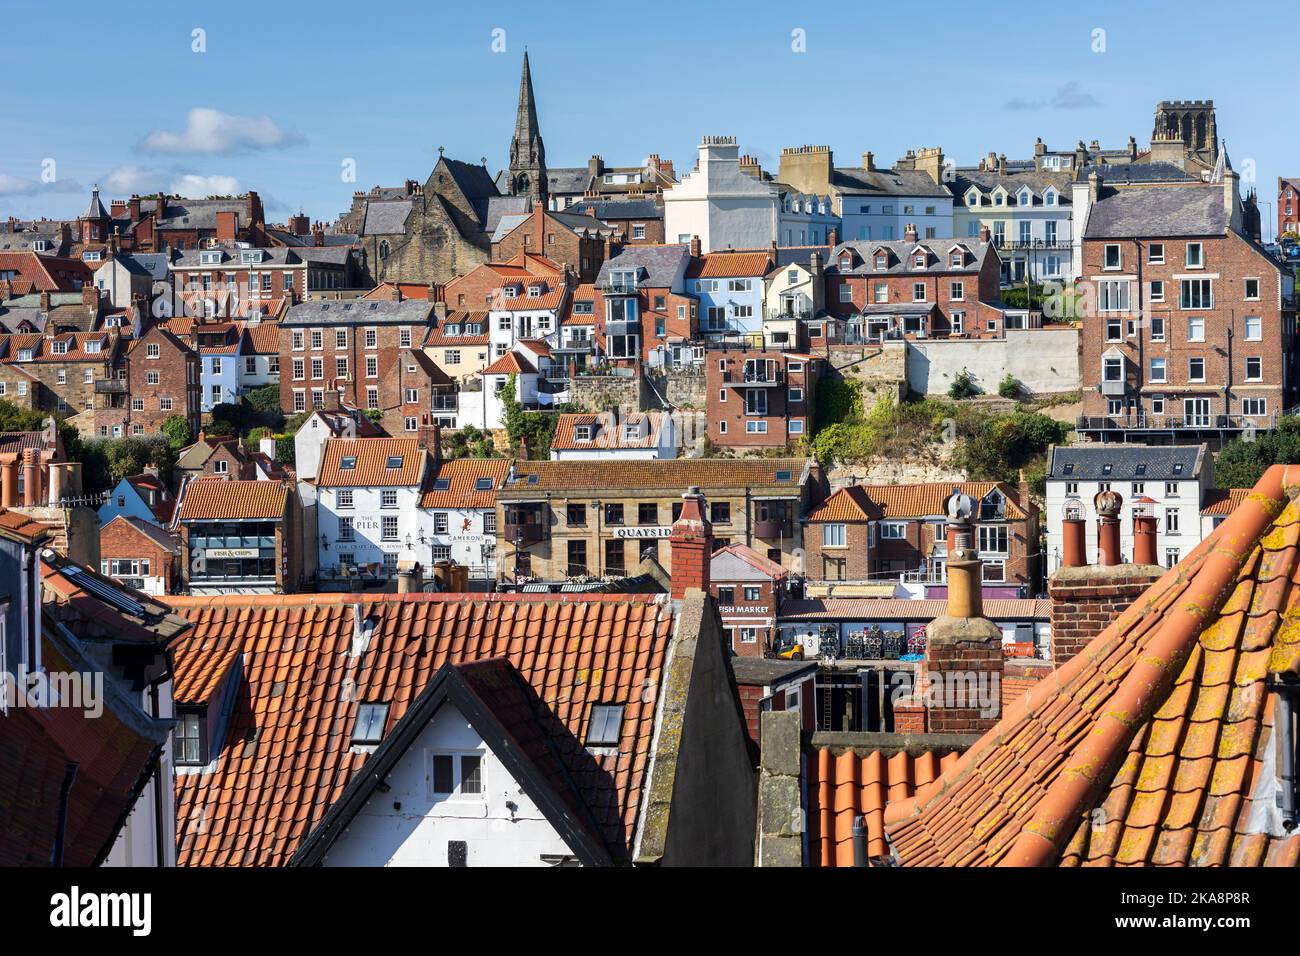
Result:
x=287 y=754
x=510 y=363
x=15 y=524
x=1152 y=746
x=372 y=459
x=850 y=784
x=217 y=499
x=674 y=474
x=723 y=265
x=462 y=474
x=263 y=338
x=1223 y=501
x=609 y=430
x=921 y=500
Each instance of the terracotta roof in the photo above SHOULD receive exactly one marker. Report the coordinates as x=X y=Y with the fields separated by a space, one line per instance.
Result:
x=372 y=457
x=510 y=363
x=218 y=499
x=723 y=265
x=922 y=500
x=262 y=338
x=908 y=609
x=113 y=752
x=287 y=755
x=842 y=786
x=14 y=524
x=609 y=431
x=847 y=504
x=674 y=474
x=1223 y=501
x=462 y=474
x=1152 y=746
x=520 y=303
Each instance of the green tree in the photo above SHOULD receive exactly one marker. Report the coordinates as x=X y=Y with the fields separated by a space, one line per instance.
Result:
x=997 y=447
x=1242 y=461
x=177 y=430
x=265 y=402
x=537 y=428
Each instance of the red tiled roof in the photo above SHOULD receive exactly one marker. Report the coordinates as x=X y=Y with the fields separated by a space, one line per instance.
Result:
x=921 y=500
x=371 y=469
x=609 y=431
x=287 y=754
x=1223 y=501
x=1152 y=746
x=14 y=524
x=461 y=475
x=263 y=338
x=510 y=363
x=46 y=273
x=845 y=785
x=217 y=499
x=724 y=265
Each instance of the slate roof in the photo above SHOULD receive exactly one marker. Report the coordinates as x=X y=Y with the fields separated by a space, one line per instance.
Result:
x=367 y=312
x=900 y=252
x=1154 y=745
x=1157 y=462
x=886 y=182
x=1138 y=173
x=199 y=213
x=159 y=536
x=287 y=754
x=661 y=264
x=1013 y=182
x=1157 y=211
x=769 y=670
x=385 y=217
x=606 y=209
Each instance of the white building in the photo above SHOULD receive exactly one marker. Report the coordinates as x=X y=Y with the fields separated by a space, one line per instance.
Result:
x=794 y=292
x=881 y=203
x=719 y=202
x=480 y=403
x=458 y=518
x=637 y=436
x=368 y=508
x=1029 y=215
x=1176 y=477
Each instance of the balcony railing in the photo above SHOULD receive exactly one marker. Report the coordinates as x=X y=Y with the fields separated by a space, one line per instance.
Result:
x=111 y=386
x=610 y=287
x=1055 y=244
x=1144 y=422
x=761 y=373
x=523 y=534
x=443 y=403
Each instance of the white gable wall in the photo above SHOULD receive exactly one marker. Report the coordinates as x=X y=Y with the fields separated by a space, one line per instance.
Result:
x=418 y=833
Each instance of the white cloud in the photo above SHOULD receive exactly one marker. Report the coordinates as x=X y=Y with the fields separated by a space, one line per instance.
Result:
x=193 y=186
x=128 y=180
x=21 y=186
x=209 y=131
x=1071 y=96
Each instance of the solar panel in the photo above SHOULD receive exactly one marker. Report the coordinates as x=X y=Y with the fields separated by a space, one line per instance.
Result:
x=103 y=591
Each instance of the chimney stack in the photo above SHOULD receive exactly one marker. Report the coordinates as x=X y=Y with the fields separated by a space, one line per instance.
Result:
x=1144 y=531
x=9 y=483
x=1108 y=505
x=31 y=478
x=909 y=232
x=1074 y=536
x=691 y=545
x=1094 y=186
x=961 y=679
x=985 y=235
x=695 y=246
x=869 y=161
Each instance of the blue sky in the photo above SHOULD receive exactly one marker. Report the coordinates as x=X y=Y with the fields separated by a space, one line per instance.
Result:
x=293 y=91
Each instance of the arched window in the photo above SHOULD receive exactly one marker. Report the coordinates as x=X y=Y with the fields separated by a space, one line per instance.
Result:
x=383 y=251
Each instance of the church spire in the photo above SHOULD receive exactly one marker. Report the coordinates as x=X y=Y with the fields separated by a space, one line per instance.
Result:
x=527 y=152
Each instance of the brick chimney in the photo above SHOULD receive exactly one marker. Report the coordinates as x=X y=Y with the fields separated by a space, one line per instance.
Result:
x=985 y=235
x=31 y=478
x=695 y=246
x=869 y=161
x=962 y=673
x=691 y=545
x=227 y=226
x=909 y=232
x=1085 y=599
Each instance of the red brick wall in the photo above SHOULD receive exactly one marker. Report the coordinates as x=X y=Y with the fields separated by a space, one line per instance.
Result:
x=1084 y=601
x=724 y=375
x=118 y=539
x=857 y=556
x=387 y=350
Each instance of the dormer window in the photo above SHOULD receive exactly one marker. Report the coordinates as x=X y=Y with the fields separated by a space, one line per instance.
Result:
x=93 y=347
x=1026 y=198
x=190 y=738
x=509 y=292
x=582 y=433
x=919 y=260
x=249 y=255
x=631 y=432
x=453 y=330
x=882 y=260
x=846 y=262
x=955 y=260
x=24 y=355
x=973 y=198
x=40 y=245
x=1049 y=197
x=209 y=258
x=59 y=348
x=534 y=291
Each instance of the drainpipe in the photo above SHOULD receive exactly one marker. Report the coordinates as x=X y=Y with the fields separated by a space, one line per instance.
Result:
x=61 y=826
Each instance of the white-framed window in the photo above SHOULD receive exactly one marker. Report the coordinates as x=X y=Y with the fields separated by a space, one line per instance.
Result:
x=1195 y=329
x=1254 y=328
x=1196 y=294
x=1254 y=406
x=165 y=404
x=1112 y=258
x=1158 y=370
x=1112 y=295
x=388 y=528
x=1195 y=255
x=834 y=536
x=456 y=776
x=1196 y=369
x=299 y=400
x=796 y=426
x=756 y=428
x=1250 y=287
x=343 y=497
x=388 y=498
x=1254 y=368
x=1157 y=288
x=993 y=539
x=1171 y=521
x=1156 y=253
x=346 y=530
x=893 y=530
x=152 y=378
x=371 y=338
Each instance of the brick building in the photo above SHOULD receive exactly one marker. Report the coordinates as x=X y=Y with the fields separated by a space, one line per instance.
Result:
x=578 y=242
x=1191 y=327
x=757 y=397
x=140 y=555
x=641 y=306
x=563 y=519
x=1288 y=206
x=749 y=589
x=866 y=532
x=351 y=349
x=473 y=290
x=161 y=222
x=65 y=370
x=158 y=379
x=931 y=288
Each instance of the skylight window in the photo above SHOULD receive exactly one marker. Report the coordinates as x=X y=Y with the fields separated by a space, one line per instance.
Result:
x=1141 y=469
x=369 y=728
x=783 y=476
x=1178 y=468
x=483 y=484
x=441 y=484
x=605 y=726
x=348 y=464
x=1107 y=468
x=1068 y=469
x=394 y=461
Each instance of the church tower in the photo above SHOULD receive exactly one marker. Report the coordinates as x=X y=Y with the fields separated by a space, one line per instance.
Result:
x=527 y=153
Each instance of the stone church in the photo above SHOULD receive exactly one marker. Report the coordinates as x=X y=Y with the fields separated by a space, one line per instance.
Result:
x=428 y=233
